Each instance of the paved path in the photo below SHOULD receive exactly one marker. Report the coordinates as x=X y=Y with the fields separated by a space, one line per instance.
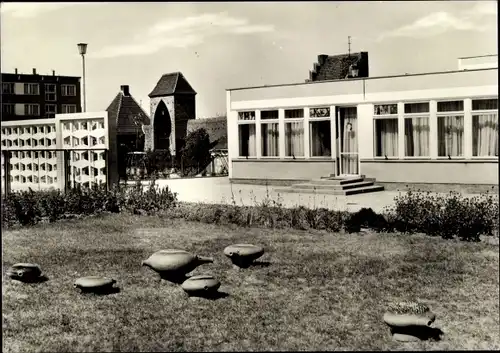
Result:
x=219 y=190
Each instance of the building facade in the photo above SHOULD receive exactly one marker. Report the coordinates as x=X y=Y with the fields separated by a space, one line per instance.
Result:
x=432 y=128
x=34 y=96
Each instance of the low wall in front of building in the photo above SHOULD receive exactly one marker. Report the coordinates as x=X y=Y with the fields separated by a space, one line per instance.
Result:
x=280 y=172
x=427 y=172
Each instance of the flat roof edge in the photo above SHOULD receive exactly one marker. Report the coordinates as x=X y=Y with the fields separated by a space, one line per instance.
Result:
x=360 y=79
x=44 y=75
x=477 y=56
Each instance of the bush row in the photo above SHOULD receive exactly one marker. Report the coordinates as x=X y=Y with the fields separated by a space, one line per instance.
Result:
x=448 y=216
x=31 y=207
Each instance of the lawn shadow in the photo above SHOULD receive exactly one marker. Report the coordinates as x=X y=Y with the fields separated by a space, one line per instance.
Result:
x=241 y=264
x=260 y=264
x=31 y=280
x=176 y=278
x=422 y=332
x=210 y=295
x=100 y=291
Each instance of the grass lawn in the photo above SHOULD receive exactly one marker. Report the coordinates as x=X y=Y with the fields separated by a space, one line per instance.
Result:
x=320 y=292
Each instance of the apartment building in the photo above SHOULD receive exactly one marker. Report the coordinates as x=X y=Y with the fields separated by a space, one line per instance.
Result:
x=35 y=96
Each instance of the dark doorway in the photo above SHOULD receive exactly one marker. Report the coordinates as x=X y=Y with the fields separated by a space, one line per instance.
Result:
x=162 y=127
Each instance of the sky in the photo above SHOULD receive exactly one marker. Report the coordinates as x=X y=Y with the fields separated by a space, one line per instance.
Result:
x=221 y=45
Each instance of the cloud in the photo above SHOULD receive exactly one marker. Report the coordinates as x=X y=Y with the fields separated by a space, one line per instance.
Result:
x=484 y=8
x=32 y=9
x=440 y=22
x=183 y=33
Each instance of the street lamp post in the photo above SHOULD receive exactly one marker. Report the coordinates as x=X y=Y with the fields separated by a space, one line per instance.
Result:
x=82 y=48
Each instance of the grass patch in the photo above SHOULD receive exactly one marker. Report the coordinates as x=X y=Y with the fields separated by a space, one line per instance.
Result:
x=321 y=291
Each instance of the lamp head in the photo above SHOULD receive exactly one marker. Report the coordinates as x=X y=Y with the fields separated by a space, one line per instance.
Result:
x=82 y=48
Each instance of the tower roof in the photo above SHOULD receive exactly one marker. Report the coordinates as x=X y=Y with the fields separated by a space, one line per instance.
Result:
x=128 y=114
x=172 y=83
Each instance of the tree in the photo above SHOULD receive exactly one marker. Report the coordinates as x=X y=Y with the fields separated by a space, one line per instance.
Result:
x=195 y=155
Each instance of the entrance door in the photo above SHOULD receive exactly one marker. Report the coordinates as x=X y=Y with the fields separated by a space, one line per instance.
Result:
x=347 y=142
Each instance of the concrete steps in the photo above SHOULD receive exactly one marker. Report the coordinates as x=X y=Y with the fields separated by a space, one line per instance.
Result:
x=333 y=185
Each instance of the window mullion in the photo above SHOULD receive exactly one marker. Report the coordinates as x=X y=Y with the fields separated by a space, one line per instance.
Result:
x=401 y=131
x=258 y=135
x=433 y=133
x=467 y=137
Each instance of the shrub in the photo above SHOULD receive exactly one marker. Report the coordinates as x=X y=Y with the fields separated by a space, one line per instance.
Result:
x=366 y=218
x=21 y=207
x=51 y=204
x=195 y=154
x=150 y=201
x=447 y=216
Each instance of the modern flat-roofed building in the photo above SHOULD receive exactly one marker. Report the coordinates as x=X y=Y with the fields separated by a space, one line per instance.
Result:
x=35 y=96
x=436 y=128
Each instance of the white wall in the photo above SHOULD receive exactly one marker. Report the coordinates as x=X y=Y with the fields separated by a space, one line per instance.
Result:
x=478 y=62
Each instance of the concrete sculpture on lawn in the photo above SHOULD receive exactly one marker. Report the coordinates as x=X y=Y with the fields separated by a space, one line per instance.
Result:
x=410 y=321
x=201 y=285
x=243 y=255
x=173 y=265
x=95 y=284
x=25 y=272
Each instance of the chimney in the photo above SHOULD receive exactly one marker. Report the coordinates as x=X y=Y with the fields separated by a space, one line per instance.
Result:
x=53 y=72
x=125 y=90
x=322 y=58
x=15 y=70
x=34 y=71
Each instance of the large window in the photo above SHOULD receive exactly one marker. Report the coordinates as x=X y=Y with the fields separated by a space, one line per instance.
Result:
x=8 y=108
x=68 y=108
x=50 y=92
x=8 y=88
x=450 y=119
x=269 y=133
x=50 y=110
x=320 y=134
x=485 y=127
x=417 y=129
x=31 y=88
x=386 y=130
x=294 y=133
x=68 y=90
x=246 y=134
x=31 y=109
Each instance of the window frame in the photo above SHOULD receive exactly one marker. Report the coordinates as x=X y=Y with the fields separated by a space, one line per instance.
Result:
x=246 y=122
x=47 y=112
x=295 y=120
x=8 y=84
x=394 y=116
x=65 y=89
x=26 y=108
x=478 y=112
x=12 y=105
x=425 y=115
x=49 y=91
x=268 y=122
x=313 y=119
x=27 y=90
x=454 y=113
x=63 y=106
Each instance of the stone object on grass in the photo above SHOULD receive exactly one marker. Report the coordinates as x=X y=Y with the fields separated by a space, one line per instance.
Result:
x=94 y=284
x=200 y=285
x=175 y=262
x=242 y=255
x=25 y=272
x=409 y=321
